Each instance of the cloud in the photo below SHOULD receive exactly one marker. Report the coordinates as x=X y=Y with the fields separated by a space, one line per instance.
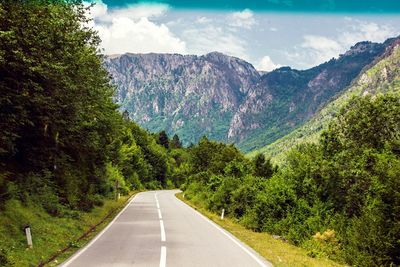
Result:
x=100 y=11
x=203 y=20
x=242 y=19
x=266 y=64
x=363 y=30
x=141 y=36
x=131 y=30
x=321 y=48
x=210 y=38
x=316 y=49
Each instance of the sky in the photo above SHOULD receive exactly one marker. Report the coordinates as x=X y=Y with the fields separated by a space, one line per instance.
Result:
x=267 y=33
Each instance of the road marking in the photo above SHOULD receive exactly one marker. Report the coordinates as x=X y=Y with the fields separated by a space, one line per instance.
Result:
x=159 y=214
x=158 y=204
x=251 y=254
x=76 y=255
x=162 y=231
x=163 y=256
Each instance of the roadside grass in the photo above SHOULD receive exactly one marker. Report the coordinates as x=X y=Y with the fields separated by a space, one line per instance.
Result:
x=50 y=234
x=278 y=252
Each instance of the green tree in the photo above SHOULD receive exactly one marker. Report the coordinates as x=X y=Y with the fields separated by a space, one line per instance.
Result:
x=56 y=111
x=163 y=139
x=175 y=143
x=263 y=167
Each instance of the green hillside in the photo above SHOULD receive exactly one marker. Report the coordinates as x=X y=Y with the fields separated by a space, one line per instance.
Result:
x=382 y=77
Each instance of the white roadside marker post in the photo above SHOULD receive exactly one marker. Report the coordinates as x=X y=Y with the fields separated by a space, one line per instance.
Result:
x=183 y=195
x=117 y=193
x=222 y=214
x=27 y=229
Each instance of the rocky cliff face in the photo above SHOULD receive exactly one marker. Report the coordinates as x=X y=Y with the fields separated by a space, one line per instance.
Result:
x=224 y=97
x=188 y=95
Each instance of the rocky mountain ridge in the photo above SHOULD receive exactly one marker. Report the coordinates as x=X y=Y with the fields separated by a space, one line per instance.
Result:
x=225 y=97
x=380 y=77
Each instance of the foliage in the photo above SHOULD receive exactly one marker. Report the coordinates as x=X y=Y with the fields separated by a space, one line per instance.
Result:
x=338 y=198
x=163 y=139
x=176 y=142
x=65 y=148
x=380 y=78
x=263 y=167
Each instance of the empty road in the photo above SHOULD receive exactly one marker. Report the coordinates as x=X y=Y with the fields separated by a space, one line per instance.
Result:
x=157 y=229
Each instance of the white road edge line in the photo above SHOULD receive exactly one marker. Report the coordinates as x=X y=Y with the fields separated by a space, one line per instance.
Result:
x=223 y=231
x=76 y=255
x=163 y=256
x=162 y=231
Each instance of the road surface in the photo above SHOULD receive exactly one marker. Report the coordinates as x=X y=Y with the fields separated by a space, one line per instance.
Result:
x=157 y=229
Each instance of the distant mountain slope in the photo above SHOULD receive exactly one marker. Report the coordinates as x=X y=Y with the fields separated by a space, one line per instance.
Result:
x=382 y=77
x=225 y=97
x=188 y=95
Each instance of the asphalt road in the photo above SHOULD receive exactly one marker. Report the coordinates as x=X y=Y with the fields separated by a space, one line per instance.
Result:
x=157 y=229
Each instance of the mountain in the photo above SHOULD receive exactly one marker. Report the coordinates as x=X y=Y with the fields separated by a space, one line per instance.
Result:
x=381 y=77
x=225 y=97
x=188 y=95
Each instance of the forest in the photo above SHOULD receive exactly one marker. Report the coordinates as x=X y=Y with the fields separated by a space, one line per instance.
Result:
x=66 y=147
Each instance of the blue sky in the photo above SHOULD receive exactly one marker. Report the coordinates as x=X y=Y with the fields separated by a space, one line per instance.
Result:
x=268 y=33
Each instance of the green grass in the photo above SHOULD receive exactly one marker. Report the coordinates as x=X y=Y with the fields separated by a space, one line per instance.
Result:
x=50 y=234
x=278 y=252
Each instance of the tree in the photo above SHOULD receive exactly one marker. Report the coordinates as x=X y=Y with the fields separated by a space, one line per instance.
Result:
x=125 y=115
x=163 y=139
x=175 y=143
x=263 y=167
x=56 y=112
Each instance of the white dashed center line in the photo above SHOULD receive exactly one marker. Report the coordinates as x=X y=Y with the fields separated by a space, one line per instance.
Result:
x=163 y=256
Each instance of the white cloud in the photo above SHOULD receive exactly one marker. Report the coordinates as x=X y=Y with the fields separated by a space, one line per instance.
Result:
x=316 y=49
x=242 y=19
x=211 y=38
x=266 y=64
x=138 y=36
x=97 y=10
x=273 y=29
x=100 y=11
x=321 y=48
x=203 y=20
x=131 y=30
x=366 y=31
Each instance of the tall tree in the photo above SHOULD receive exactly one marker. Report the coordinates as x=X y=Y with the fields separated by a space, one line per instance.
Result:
x=56 y=111
x=263 y=167
x=163 y=139
x=176 y=143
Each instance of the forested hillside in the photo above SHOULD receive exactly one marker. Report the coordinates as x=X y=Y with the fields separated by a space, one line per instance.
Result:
x=64 y=147
x=380 y=78
x=338 y=197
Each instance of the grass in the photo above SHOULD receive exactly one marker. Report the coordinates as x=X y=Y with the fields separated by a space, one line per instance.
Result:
x=278 y=252
x=50 y=234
